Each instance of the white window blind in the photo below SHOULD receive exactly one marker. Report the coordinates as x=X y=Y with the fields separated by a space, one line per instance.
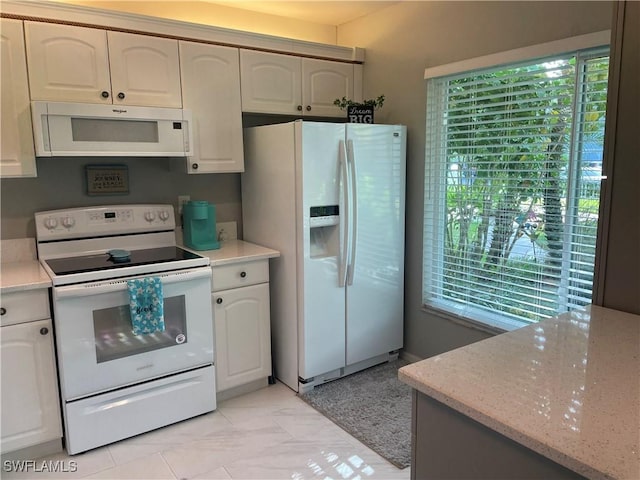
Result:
x=512 y=184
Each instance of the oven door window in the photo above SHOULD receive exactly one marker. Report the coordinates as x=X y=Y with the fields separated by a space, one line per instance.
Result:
x=114 y=336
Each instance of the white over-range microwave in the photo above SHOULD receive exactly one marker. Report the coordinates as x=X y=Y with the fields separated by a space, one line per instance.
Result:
x=63 y=129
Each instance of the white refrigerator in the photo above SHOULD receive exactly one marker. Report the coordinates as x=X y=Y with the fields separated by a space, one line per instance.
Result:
x=331 y=198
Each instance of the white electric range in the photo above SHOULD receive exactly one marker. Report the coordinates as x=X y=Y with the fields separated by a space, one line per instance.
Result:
x=115 y=384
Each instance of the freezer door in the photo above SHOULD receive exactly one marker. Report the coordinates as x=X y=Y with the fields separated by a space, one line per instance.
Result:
x=322 y=323
x=375 y=274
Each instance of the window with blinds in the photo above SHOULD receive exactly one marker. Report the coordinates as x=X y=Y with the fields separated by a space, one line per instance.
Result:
x=512 y=188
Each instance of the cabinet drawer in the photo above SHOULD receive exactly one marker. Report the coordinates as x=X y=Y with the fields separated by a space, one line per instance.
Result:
x=19 y=307
x=240 y=275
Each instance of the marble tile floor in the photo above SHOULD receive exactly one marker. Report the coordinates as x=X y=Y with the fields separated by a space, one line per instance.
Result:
x=267 y=434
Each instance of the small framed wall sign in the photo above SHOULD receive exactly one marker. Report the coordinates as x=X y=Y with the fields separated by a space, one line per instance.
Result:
x=107 y=179
x=360 y=113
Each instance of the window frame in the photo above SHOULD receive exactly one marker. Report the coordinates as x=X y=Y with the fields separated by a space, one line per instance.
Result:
x=434 y=196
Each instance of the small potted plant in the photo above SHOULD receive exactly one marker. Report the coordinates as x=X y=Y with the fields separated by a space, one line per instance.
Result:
x=359 y=112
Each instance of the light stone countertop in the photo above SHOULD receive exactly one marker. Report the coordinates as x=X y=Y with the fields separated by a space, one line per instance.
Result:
x=235 y=251
x=22 y=275
x=567 y=388
x=28 y=274
x=19 y=267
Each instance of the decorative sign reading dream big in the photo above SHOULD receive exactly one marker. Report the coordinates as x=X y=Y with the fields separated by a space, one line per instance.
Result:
x=360 y=113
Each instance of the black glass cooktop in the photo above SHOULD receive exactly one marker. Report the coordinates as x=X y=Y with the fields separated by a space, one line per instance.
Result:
x=105 y=261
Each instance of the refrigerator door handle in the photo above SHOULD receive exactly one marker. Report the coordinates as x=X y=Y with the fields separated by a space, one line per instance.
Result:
x=353 y=214
x=344 y=223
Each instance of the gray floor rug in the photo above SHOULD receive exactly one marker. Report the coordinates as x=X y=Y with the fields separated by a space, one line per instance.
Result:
x=373 y=406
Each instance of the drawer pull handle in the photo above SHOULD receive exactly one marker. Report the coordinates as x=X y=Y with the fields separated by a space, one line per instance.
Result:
x=3 y=310
x=104 y=94
x=218 y=300
x=44 y=331
x=121 y=96
x=243 y=274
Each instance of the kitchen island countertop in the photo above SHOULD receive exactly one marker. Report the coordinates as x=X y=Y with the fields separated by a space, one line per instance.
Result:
x=567 y=388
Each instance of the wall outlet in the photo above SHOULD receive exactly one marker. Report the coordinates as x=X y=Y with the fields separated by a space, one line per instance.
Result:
x=182 y=199
x=226 y=231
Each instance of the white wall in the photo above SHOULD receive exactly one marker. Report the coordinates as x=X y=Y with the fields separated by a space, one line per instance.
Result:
x=400 y=42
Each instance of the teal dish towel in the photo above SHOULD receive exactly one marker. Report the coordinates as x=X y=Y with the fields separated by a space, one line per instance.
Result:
x=146 y=305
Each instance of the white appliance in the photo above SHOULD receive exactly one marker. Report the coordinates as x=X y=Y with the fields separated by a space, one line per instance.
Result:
x=113 y=383
x=85 y=129
x=331 y=198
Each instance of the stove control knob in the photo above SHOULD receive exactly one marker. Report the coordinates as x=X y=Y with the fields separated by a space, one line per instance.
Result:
x=149 y=216
x=164 y=215
x=68 y=222
x=50 y=223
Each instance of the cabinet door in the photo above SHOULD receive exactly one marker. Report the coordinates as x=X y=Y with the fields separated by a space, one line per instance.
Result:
x=30 y=406
x=67 y=63
x=243 y=335
x=17 y=157
x=270 y=83
x=322 y=83
x=211 y=90
x=144 y=70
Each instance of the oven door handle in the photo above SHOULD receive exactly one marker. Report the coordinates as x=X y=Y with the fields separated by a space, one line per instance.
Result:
x=116 y=285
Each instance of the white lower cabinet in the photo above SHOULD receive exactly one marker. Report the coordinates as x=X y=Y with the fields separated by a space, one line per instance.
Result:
x=242 y=324
x=30 y=402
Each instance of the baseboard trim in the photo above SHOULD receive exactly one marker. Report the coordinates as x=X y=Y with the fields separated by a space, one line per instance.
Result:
x=242 y=389
x=410 y=357
x=34 y=451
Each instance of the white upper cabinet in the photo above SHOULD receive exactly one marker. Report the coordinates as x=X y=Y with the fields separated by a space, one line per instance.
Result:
x=211 y=90
x=275 y=83
x=17 y=156
x=270 y=82
x=324 y=81
x=78 y=64
x=144 y=70
x=67 y=63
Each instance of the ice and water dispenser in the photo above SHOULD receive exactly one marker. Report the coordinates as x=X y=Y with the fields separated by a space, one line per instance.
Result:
x=199 y=229
x=324 y=230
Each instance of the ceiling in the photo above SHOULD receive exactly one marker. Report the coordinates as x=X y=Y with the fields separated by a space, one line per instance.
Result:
x=326 y=12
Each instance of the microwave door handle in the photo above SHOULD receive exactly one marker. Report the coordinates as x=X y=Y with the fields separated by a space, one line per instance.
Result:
x=40 y=121
x=187 y=132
